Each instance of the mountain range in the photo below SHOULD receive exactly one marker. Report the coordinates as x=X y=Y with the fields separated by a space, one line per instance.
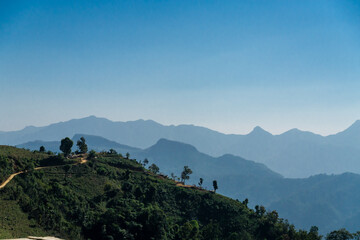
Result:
x=327 y=201
x=293 y=154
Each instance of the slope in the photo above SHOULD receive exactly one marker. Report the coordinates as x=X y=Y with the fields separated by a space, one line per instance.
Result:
x=116 y=198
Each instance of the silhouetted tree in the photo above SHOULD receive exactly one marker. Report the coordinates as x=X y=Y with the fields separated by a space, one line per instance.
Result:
x=341 y=234
x=356 y=235
x=173 y=176
x=215 y=185
x=154 y=169
x=314 y=233
x=42 y=149
x=83 y=148
x=127 y=155
x=112 y=151
x=66 y=145
x=185 y=174
x=146 y=162
x=201 y=182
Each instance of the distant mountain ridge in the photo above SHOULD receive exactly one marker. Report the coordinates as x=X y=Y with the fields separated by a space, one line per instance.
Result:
x=294 y=153
x=96 y=143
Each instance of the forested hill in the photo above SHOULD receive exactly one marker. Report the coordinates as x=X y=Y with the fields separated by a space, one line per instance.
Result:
x=111 y=197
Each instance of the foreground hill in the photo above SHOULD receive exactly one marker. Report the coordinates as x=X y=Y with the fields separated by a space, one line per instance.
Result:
x=292 y=154
x=115 y=198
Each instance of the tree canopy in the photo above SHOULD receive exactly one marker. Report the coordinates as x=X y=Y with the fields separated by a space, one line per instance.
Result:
x=185 y=175
x=83 y=148
x=66 y=145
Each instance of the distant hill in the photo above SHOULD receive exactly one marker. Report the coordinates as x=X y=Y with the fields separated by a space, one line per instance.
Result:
x=294 y=153
x=94 y=143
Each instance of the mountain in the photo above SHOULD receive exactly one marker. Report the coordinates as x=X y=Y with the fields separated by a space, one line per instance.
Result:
x=94 y=143
x=294 y=153
x=110 y=197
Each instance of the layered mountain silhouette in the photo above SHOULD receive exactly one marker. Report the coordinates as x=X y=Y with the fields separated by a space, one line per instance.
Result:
x=94 y=142
x=327 y=201
x=294 y=153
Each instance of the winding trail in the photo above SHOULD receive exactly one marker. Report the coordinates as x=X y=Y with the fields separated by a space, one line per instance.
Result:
x=82 y=161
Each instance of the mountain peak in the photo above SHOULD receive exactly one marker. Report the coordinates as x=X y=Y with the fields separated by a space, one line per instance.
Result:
x=258 y=131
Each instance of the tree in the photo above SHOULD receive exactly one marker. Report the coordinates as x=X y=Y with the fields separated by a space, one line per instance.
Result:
x=154 y=169
x=66 y=145
x=92 y=155
x=215 y=185
x=146 y=161
x=201 y=182
x=189 y=231
x=83 y=148
x=341 y=234
x=173 y=176
x=314 y=233
x=127 y=155
x=356 y=235
x=112 y=151
x=42 y=149
x=185 y=174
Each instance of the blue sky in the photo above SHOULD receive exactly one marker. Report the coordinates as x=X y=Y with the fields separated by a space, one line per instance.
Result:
x=226 y=65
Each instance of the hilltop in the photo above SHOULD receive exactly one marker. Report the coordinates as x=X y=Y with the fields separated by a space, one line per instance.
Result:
x=112 y=197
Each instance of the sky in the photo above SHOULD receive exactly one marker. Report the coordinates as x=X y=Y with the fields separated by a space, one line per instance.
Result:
x=225 y=65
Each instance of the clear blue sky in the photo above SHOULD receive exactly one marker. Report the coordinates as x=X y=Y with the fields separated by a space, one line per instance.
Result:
x=226 y=65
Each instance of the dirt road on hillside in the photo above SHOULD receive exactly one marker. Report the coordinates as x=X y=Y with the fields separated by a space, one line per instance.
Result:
x=82 y=161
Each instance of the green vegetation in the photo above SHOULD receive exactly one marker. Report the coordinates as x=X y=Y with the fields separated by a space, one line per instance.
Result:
x=83 y=148
x=66 y=145
x=14 y=222
x=42 y=149
x=111 y=197
x=154 y=168
x=14 y=160
x=185 y=174
x=215 y=185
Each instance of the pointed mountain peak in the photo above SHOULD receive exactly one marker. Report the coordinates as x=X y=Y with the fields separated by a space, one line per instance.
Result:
x=258 y=131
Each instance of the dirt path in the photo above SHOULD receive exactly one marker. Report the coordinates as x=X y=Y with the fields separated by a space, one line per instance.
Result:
x=82 y=161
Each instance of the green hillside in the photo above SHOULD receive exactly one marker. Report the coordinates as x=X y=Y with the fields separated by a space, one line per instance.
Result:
x=111 y=197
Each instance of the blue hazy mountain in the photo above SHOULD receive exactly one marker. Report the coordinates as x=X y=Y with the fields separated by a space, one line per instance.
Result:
x=294 y=153
x=96 y=143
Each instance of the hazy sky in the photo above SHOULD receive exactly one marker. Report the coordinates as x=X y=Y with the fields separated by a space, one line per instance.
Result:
x=226 y=65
